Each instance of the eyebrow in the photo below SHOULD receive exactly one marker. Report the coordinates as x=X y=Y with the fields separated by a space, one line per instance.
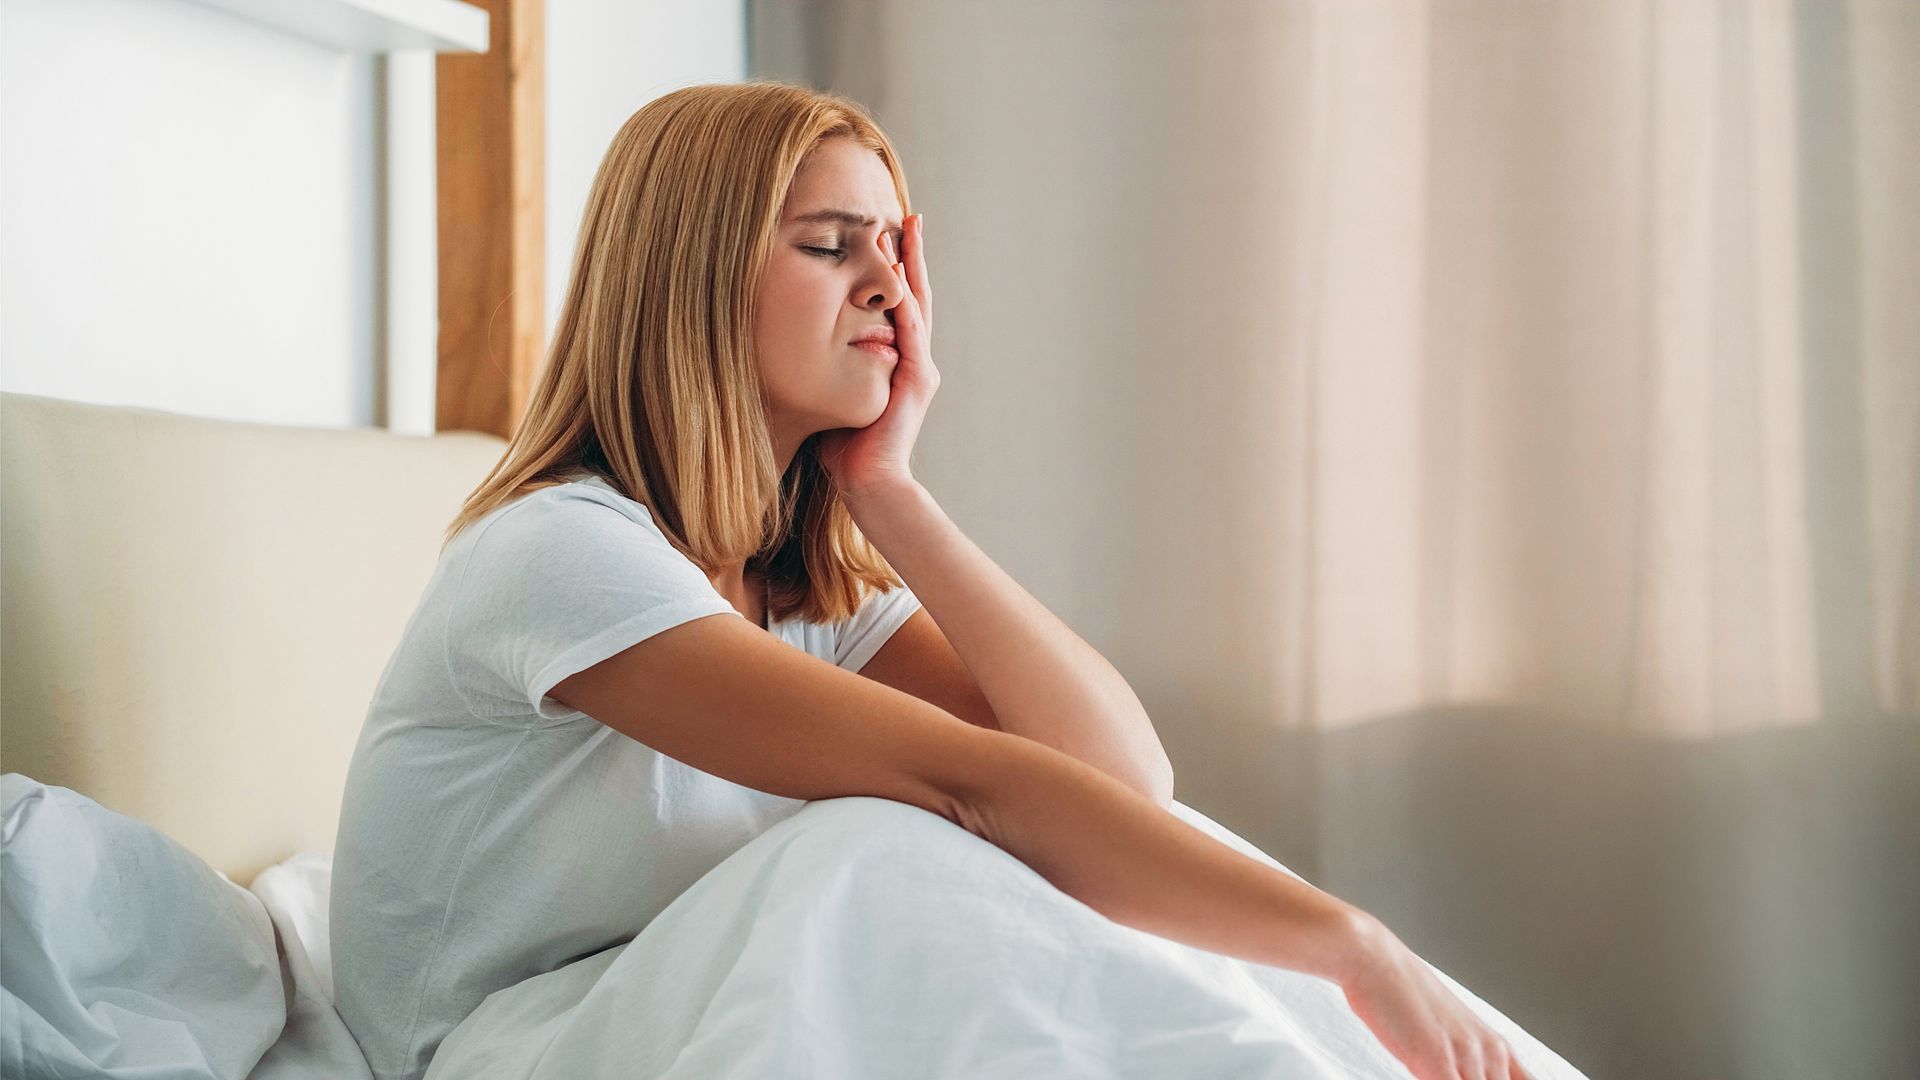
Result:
x=848 y=217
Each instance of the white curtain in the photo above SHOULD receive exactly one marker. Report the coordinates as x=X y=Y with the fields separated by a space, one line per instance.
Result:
x=1487 y=436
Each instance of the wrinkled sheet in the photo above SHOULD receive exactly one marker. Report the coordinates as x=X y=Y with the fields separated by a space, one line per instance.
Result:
x=315 y=1044
x=127 y=957
x=864 y=937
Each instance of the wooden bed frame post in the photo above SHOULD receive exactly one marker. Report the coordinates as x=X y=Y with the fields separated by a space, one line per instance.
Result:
x=490 y=137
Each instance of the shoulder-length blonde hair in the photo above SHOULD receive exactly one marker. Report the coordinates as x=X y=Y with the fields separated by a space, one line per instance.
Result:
x=650 y=379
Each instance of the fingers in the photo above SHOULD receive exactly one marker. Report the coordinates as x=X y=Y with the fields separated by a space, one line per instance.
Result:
x=1503 y=1063
x=1484 y=1055
x=1470 y=1062
x=909 y=322
x=916 y=357
x=907 y=314
x=915 y=259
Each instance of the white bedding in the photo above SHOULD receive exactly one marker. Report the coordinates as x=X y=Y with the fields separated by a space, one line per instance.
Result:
x=315 y=1043
x=127 y=957
x=859 y=937
x=863 y=937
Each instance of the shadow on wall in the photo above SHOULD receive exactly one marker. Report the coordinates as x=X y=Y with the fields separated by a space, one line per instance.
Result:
x=1743 y=907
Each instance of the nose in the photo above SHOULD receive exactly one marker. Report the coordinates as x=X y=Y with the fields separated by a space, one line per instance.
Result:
x=881 y=287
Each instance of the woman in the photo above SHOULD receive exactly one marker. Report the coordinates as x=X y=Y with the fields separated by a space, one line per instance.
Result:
x=567 y=737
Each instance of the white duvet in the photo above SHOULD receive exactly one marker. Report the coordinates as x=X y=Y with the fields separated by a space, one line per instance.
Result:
x=863 y=937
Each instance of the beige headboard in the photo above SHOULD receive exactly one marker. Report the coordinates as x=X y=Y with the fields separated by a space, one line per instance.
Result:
x=196 y=611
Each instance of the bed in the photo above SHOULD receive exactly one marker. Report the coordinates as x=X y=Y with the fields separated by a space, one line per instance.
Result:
x=196 y=614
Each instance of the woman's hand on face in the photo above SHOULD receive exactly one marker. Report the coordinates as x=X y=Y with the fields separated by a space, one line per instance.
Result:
x=869 y=459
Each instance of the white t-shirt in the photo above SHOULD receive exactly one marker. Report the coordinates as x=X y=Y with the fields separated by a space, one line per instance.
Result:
x=489 y=833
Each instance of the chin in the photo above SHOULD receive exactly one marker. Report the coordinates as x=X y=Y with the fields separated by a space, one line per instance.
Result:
x=863 y=406
x=880 y=402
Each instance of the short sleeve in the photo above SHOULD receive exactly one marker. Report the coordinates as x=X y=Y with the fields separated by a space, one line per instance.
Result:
x=880 y=614
x=553 y=586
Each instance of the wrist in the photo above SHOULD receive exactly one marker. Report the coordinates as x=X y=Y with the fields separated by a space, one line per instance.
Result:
x=882 y=493
x=1365 y=944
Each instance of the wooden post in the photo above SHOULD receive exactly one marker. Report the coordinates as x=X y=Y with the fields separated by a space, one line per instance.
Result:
x=491 y=137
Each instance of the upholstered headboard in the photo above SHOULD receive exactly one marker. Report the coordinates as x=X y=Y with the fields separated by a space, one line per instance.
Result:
x=197 y=611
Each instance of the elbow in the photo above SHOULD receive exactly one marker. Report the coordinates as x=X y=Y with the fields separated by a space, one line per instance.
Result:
x=1156 y=769
x=1158 y=785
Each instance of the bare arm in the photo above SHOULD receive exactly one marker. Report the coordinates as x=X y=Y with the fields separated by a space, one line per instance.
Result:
x=723 y=696
x=1043 y=681
x=1122 y=856
x=729 y=699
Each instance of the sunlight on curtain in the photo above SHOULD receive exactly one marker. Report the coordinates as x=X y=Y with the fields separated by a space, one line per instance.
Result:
x=1487 y=436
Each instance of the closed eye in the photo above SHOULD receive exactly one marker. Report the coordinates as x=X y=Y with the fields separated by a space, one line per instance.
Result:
x=835 y=252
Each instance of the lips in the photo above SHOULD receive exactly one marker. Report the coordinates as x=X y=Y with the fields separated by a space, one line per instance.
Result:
x=877 y=340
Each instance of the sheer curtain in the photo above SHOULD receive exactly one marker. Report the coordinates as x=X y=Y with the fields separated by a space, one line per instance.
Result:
x=1487 y=436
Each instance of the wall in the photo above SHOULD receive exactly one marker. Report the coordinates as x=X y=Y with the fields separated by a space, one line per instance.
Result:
x=187 y=207
x=605 y=59
x=191 y=206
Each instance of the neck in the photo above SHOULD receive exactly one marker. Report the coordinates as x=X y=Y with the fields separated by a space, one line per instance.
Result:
x=732 y=580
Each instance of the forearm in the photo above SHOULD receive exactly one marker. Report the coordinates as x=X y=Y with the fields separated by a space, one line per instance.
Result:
x=1102 y=844
x=1044 y=682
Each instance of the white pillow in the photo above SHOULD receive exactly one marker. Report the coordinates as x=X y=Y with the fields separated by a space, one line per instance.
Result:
x=299 y=889
x=125 y=954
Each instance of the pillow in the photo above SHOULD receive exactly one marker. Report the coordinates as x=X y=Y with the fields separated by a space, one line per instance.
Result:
x=125 y=954
x=296 y=893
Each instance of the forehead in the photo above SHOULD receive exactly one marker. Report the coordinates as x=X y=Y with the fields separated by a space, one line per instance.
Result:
x=841 y=174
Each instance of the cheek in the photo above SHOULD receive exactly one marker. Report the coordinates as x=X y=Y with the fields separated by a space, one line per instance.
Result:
x=790 y=337
x=801 y=306
x=795 y=324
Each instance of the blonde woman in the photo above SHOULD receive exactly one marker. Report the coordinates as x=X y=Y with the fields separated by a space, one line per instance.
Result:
x=674 y=612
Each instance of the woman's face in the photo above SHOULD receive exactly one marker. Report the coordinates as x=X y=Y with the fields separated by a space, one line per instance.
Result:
x=830 y=278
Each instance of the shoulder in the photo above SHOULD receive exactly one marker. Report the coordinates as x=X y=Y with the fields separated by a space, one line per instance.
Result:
x=576 y=510
x=567 y=536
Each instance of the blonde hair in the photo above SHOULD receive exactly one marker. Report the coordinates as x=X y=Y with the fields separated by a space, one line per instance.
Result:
x=650 y=379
